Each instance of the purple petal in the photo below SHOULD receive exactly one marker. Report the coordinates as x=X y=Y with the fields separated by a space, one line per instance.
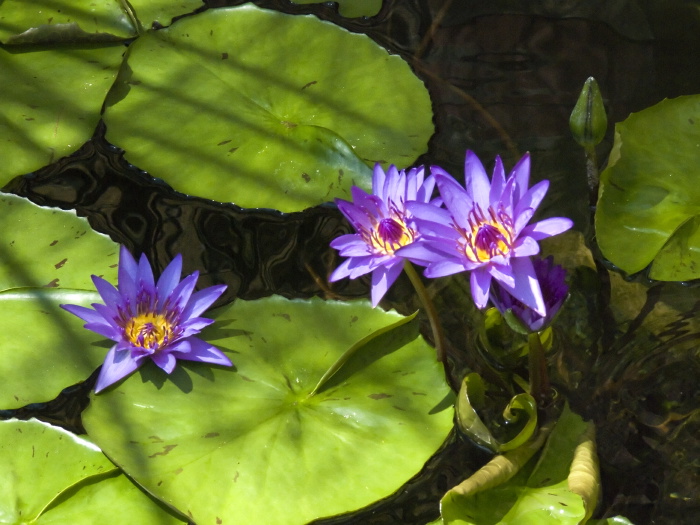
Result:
x=182 y=292
x=393 y=185
x=498 y=181
x=110 y=295
x=164 y=360
x=546 y=228
x=525 y=246
x=444 y=267
x=378 y=179
x=413 y=182
x=145 y=274
x=421 y=253
x=425 y=190
x=193 y=349
x=521 y=176
x=382 y=279
x=480 y=282
x=86 y=314
x=527 y=287
x=456 y=199
x=476 y=181
x=429 y=229
x=128 y=272
x=169 y=279
x=201 y=300
x=429 y=212
x=502 y=273
x=194 y=326
x=530 y=201
x=353 y=268
x=351 y=245
x=357 y=216
x=105 y=330
x=117 y=365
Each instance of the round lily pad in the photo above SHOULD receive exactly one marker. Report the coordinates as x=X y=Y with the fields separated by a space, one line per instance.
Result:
x=48 y=247
x=44 y=348
x=50 y=102
x=649 y=201
x=265 y=109
x=249 y=443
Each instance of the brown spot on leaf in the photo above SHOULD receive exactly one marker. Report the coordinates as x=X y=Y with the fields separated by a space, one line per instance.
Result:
x=224 y=142
x=419 y=393
x=379 y=396
x=52 y=284
x=399 y=408
x=288 y=124
x=218 y=521
x=353 y=319
x=235 y=478
x=306 y=177
x=310 y=84
x=155 y=439
x=60 y=264
x=244 y=378
x=159 y=483
x=233 y=150
x=224 y=56
x=54 y=243
x=164 y=452
x=211 y=434
x=178 y=471
x=285 y=316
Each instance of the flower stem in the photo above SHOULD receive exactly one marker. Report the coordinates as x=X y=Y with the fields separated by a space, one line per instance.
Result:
x=592 y=174
x=539 y=380
x=427 y=302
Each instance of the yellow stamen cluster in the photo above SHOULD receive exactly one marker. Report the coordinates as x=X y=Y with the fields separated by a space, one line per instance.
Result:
x=389 y=235
x=148 y=330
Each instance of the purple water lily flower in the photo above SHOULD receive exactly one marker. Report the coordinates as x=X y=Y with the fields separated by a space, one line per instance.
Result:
x=383 y=225
x=485 y=230
x=552 y=279
x=149 y=320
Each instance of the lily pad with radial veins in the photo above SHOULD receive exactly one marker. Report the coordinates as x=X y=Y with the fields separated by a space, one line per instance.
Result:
x=250 y=445
x=265 y=109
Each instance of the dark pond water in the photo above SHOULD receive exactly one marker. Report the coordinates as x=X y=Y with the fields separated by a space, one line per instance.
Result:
x=503 y=79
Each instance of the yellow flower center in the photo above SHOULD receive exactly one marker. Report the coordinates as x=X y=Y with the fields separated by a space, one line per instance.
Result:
x=391 y=234
x=148 y=330
x=489 y=236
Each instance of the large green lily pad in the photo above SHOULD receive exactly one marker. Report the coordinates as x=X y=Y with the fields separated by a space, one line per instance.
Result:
x=44 y=349
x=265 y=109
x=248 y=444
x=649 y=201
x=48 y=247
x=51 y=476
x=50 y=103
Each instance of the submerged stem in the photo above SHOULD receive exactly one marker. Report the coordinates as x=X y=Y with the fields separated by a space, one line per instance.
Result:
x=539 y=380
x=430 y=310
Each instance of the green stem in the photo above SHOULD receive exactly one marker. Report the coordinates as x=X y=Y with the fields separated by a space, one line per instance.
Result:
x=539 y=380
x=429 y=307
x=592 y=174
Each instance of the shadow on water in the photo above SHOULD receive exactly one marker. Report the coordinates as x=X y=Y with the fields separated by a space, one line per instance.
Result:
x=503 y=80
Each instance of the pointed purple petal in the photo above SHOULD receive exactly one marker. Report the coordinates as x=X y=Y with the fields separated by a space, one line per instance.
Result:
x=117 y=365
x=110 y=295
x=194 y=326
x=480 y=282
x=382 y=279
x=378 y=180
x=194 y=349
x=530 y=201
x=444 y=267
x=498 y=182
x=456 y=199
x=425 y=190
x=165 y=361
x=503 y=274
x=86 y=314
x=169 y=278
x=392 y=185
x=421 y=253
x=527 y=287
x=547 y=228
x=353 y=267
x=476 y=181
x=521 y=176
x=429 y=212
x=201 y=300
x=351 y=245
x=182 y=292
x=525 y=246
x=145 y=273
x=128 y=272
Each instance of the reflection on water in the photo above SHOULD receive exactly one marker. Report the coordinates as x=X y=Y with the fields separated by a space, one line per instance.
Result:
x=503 y=81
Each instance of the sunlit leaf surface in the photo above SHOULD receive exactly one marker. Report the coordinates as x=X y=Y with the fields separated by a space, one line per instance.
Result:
x=50 y=102
x=51 y=21
x=649 y=199
x=51 y=476
x=265 y=109
x=237 y=443
x=44 y=348
x=45 y=247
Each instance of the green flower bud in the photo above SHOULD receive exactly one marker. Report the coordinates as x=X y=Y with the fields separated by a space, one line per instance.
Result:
x=588 y=120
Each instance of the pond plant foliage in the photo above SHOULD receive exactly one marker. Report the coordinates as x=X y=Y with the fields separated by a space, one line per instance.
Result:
x=290 y=410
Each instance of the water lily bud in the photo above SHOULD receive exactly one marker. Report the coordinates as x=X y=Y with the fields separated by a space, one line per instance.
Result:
x=588 y=120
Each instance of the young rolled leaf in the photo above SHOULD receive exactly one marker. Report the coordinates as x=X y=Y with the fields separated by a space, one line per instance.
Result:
x=584 y=474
